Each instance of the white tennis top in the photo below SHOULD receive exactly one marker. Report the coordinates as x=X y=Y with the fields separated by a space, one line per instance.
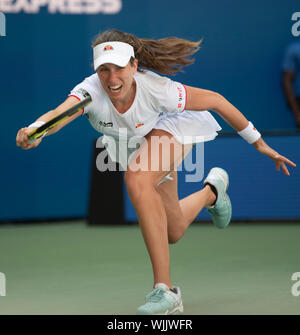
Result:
x=159 y=104
x=155 y=95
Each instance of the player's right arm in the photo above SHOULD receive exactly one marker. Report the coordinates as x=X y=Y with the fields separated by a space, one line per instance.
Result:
x=22 y=135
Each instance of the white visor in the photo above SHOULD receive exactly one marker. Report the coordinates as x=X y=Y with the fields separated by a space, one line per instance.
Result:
x=117 y=53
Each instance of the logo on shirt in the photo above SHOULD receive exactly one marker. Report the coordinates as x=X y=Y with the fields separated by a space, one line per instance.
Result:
x=180 y=96
x=83 y=92
x=139 y=125
x=105 y=124
x=108 y=47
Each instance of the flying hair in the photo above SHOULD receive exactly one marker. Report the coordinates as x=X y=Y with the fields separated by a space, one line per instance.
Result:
x=166 y=56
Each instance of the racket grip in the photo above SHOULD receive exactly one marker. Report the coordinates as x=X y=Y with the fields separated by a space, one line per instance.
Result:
x=31 y=140
x=34 y=139
x=36 y=124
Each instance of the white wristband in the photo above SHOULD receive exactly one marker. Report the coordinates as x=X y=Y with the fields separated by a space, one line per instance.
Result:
x=36 y=124
x=250 y=133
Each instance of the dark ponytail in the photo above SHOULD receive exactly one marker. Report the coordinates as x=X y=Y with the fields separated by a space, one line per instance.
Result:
x=166 y=56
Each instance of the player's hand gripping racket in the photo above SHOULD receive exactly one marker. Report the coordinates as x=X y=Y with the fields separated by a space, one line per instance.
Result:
x=40 y=131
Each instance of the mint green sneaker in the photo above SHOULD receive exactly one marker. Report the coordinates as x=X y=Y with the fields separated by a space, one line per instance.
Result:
x=162 y=301
x=221 y=212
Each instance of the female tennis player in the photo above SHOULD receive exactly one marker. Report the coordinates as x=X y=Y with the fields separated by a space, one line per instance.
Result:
x=127 y=94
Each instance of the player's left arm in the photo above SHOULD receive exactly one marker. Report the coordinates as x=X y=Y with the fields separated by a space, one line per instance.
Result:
x=200 y=99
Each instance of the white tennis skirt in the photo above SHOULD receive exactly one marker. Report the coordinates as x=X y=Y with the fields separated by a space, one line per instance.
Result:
x=190 y=126
x=187 y=127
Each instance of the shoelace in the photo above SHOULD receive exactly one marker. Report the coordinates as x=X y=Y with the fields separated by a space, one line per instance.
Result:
x=155 y=296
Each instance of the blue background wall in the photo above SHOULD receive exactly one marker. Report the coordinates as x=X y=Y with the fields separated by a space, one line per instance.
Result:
x=44 y=55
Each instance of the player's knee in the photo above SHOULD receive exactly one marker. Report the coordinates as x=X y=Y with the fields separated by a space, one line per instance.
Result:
x=137 y=183
x=133 y=180
x=174 y=238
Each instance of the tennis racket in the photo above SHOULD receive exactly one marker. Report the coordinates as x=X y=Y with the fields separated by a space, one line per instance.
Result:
x=40 y=131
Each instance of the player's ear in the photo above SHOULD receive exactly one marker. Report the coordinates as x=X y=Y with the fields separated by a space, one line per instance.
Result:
x=134 y=63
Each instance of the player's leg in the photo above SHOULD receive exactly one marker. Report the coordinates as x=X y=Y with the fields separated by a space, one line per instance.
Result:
x=152 y=215
x=141 y=181
x=142 y=189
x=181 y=213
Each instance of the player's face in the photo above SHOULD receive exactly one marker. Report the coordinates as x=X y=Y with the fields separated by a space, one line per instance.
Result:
x=117 y=81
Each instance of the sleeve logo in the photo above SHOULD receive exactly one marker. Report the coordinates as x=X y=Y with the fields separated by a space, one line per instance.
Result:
x=180 y=96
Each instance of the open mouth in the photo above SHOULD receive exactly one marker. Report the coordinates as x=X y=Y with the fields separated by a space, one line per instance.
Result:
x=115 y=88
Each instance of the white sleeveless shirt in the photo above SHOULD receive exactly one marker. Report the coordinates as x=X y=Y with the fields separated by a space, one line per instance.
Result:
x=159 y=104
x=154 y=95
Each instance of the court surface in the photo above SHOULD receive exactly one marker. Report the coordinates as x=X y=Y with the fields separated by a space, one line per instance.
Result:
x=72 y=268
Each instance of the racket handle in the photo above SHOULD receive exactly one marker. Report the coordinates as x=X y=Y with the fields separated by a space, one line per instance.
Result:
x=34 y=139
x=36 y=125
x=31 y=140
